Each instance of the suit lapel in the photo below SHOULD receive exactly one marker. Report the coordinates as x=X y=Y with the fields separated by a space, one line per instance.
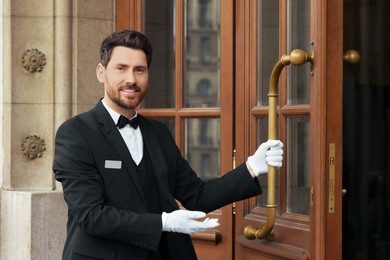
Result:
x=109 y=129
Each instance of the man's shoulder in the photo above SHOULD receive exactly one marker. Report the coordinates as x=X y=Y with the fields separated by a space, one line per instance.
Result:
x=78 y=119
x=153 y=123
x=157 y=126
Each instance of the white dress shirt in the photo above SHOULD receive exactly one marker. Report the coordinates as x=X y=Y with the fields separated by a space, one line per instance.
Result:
x=131 y=136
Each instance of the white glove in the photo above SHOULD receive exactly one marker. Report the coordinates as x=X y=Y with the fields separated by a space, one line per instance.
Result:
x=270 y=152
x=183 y=221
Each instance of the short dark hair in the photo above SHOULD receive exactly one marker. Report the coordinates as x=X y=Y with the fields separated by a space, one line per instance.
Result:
x=127 y=38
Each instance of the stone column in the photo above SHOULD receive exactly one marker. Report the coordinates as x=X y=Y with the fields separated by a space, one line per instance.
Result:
x=50 y=52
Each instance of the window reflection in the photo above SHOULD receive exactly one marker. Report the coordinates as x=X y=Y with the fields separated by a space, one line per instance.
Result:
x=268 y=46
x=298 y=163
x=202 y=139
x=205 y=50
x=298 y=35
x=159 y=27
x=204 y=22
x=203 y=89
x=202 y=53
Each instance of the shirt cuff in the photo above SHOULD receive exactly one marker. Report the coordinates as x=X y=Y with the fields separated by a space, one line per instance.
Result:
x=250 y=170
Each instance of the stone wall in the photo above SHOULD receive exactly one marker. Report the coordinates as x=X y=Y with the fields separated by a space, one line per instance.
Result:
x=50 y=50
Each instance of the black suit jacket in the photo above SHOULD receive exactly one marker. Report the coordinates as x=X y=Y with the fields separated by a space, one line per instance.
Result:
x=108 y=217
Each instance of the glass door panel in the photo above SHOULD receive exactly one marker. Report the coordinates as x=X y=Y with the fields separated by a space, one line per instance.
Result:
x=202 y=54
x=268 y=50
x=158 y=24
x=202 y=146
x=298 y=37
x=298 y=172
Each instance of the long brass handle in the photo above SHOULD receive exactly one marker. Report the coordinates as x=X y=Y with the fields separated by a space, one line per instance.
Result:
x=296 y=57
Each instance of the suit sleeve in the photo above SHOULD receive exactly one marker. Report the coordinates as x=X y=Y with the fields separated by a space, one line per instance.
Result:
x=207 y=196
x=196 y=194
x=75 y=167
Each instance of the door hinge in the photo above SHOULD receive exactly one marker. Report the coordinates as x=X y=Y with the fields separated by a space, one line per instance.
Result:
x=311 y=196
x=234 y=159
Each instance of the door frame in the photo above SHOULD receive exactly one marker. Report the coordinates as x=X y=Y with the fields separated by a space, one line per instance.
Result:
x=326 y=115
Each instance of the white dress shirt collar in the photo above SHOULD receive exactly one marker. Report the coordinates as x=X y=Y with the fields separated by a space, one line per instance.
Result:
x=114 y=115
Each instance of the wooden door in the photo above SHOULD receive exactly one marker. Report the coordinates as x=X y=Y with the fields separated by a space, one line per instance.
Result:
x=309 y=122
x=308 y=221
x=191 y=90
x=209 y=84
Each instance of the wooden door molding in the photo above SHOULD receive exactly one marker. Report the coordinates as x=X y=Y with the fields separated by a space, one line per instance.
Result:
x=125 y=21
x=326 y=120
x=318 y=126
x=334 y=108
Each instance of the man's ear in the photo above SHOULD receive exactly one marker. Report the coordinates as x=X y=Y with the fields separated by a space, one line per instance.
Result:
x=100 y=69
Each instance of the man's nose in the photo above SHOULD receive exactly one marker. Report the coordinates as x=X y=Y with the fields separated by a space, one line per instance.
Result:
x=130 y=77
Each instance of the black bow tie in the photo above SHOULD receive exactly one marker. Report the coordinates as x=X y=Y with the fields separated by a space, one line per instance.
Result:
x=123 y=121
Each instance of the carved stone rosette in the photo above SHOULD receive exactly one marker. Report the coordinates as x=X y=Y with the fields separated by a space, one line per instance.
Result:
x=33 y=147
x=33 y=60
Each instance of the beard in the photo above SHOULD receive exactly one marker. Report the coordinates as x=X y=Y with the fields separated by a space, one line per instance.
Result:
x=114 y=95
x=125 y=105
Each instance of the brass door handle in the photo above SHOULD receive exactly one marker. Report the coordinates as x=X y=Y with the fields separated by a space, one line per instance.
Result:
x=296 y=57
x=351 y=57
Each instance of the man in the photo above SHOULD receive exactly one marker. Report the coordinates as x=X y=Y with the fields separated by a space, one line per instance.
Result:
x=121 y=181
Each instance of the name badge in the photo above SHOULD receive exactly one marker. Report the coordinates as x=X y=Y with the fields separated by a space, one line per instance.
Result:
x=109 y=164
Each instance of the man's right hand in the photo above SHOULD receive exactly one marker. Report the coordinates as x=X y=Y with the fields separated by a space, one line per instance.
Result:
x=268 y=153
x=183 y=221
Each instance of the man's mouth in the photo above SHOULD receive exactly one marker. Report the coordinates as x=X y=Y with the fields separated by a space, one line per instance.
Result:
x=130 y=93
x=129 y=90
